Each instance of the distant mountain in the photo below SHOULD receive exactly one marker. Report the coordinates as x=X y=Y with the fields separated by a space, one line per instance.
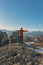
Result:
x=7 y=31
x=33 y=33
x=36 y=33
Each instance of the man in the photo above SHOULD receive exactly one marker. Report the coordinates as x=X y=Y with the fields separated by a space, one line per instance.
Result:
x=21 y=34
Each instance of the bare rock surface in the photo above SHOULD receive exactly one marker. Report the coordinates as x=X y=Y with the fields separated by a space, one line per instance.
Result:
x=17 y=54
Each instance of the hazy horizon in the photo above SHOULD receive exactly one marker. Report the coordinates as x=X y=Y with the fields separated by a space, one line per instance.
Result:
x=19 y=29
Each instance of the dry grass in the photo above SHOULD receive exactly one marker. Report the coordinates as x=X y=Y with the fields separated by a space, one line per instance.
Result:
x=38 y=44
x=24 y=56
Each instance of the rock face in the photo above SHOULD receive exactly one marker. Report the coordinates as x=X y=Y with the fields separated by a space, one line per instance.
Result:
x=14 y=37
x=17 y=54
x=3 y=38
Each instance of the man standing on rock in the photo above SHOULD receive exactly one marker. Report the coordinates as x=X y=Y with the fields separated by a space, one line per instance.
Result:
x=21 y=34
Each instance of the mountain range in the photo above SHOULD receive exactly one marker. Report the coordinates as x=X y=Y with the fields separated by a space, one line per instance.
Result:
x=34 y=33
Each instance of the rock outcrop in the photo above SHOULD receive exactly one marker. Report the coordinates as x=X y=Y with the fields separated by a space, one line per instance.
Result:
x=3 y=38
x=17 y=54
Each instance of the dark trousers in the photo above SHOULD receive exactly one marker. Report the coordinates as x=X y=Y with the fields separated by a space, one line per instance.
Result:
x=21 y=39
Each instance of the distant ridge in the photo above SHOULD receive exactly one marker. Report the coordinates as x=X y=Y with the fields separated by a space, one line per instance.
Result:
x=37 y=33
x=7 y=31
x=34 y=33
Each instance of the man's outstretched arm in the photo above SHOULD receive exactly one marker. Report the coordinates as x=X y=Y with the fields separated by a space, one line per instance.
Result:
x=25 y=30
x=17 y=30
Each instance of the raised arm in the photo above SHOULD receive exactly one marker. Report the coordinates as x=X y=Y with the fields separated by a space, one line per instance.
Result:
x=17 y=30
x=25 y=30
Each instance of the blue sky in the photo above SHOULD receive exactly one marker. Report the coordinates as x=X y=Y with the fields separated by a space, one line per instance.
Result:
x=15 y=14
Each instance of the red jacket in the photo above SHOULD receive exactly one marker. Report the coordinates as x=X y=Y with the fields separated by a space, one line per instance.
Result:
x=21 y=32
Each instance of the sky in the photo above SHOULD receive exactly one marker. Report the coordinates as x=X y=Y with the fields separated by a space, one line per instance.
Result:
x=27 y=14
